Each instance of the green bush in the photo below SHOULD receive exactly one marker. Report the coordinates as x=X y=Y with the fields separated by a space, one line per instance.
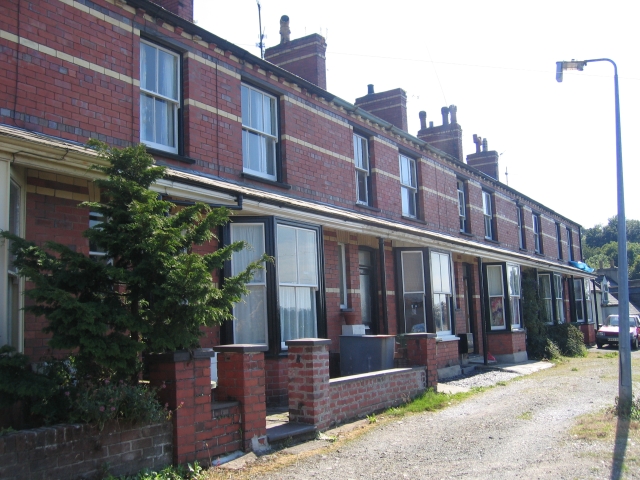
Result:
x=569 y=339
x=53 y=394
x=190 y=472
x=551 y=350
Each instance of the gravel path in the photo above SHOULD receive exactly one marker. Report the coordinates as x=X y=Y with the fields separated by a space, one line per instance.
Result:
x=513 y=431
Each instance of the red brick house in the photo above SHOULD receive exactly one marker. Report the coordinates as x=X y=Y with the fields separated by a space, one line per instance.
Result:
x=363 y=217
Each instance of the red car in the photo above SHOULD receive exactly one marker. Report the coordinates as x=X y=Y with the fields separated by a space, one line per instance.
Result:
x=608 y=332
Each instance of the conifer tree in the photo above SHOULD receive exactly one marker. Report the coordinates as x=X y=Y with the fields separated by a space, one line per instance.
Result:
x=151 y=292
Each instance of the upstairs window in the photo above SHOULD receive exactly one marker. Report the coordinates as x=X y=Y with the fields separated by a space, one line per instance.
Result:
x=363 y=169
x=259 y=133
x=159 y=97
x=409 y=186
x=521 y=231
x=559 y=240
x=537 y=233
x=462 y=207
x=570 y=244
x=487 y=209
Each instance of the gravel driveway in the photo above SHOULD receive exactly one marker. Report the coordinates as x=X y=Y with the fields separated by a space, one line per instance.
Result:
x=519 y=430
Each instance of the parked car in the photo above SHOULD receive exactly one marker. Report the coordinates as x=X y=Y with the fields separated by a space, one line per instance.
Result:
x=608 y=332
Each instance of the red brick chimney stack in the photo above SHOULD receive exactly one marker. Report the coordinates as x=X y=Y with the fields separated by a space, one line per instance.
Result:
x=448 y=136
x=484 y=160
x=182 y=8
x=390 y=106
x=304 y=57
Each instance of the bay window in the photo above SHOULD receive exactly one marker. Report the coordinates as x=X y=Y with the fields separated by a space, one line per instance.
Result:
x=159 y=97
x=425 y=283
x=551 y=293
x=495 y=287
x=284 y=301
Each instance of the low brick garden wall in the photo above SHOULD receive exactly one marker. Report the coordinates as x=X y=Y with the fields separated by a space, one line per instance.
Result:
x=82 y=451
x=363 y=394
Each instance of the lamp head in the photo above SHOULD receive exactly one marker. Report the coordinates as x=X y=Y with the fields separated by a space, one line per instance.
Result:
x=572 y=65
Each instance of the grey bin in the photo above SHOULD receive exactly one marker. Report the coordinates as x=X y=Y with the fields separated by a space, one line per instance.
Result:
x=366 y=353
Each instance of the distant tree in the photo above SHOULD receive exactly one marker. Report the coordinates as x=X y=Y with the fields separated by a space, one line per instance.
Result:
x=600 y=235
x=151 y=293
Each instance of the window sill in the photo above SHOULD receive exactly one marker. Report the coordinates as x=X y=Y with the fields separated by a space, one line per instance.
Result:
x=274 y=183
x=367 y=207
x=414 y=219
x=491 y=240
x=466 y=234
x=173 y=156
x=447 y=338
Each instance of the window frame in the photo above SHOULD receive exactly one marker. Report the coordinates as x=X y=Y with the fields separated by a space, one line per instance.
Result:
x=488 y=215
x=427 y=294
x=411 y=190
x=570 y=244
x=274 y=137
x=463 y=212
x=537 y=233
x=559 y=240
x=556 y=299
x=522 y=238
x=579 y=302
x=275 y=346
x=362 y=170
x=175 y=102
x=12 y=285
x=342 y=276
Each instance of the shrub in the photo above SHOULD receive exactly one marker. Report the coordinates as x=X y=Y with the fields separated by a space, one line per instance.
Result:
x=551 y=350
x=569 y=339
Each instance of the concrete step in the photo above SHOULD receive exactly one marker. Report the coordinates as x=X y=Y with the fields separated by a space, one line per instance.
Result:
x=295 y=431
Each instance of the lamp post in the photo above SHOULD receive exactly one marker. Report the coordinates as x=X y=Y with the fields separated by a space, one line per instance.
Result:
x=625 y=396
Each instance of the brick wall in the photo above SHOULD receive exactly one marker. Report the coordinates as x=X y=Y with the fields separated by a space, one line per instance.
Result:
x=447 y=354
x=276 y=369
x=73 y=451
x=589 y=332
x=506 y=343
x=358 y=395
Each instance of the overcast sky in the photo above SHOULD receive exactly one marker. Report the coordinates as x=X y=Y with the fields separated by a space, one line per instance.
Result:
x=494 y=60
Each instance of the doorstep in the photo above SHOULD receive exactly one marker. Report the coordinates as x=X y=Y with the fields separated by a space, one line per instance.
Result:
x=279 y=428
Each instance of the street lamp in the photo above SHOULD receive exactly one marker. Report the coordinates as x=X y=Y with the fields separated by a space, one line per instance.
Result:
x=625 y=396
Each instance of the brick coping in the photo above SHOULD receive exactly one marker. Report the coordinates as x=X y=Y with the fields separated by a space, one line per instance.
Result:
x=379 y=373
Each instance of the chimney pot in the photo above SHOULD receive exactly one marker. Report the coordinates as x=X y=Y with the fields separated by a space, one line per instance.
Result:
x=423 y=119
x=454 y=114
x=445 y=115
x=370 y=89
x=484 y=145
x=430 y=124
x=285 y=31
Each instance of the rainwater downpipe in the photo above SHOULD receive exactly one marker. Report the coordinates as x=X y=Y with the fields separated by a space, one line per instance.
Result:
x=383 y=286
x=483 y=314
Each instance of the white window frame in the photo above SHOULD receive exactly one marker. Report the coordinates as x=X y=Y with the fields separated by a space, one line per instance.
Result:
x=521 y=237
x=258 y=282
x=537 y=233
x=298 y=286
x=462 y=207
x=172 y=101
x=559 y=298
x=95 y=252
x=268 y=139
x=440 y=291
x=11 y=284
x=487 y=211
x=415 y=293
x=546 y=297
x=570 y=244
x=409 y=186
x=362 y=163
x=494 y=294
x=342 y=275
x=559 y=240
x=515 y=293
x=580 y=301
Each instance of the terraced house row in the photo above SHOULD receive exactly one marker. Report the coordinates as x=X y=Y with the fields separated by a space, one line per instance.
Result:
x=364 y=218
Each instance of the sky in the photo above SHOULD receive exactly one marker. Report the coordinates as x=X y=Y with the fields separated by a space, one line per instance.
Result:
x=494 y=60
